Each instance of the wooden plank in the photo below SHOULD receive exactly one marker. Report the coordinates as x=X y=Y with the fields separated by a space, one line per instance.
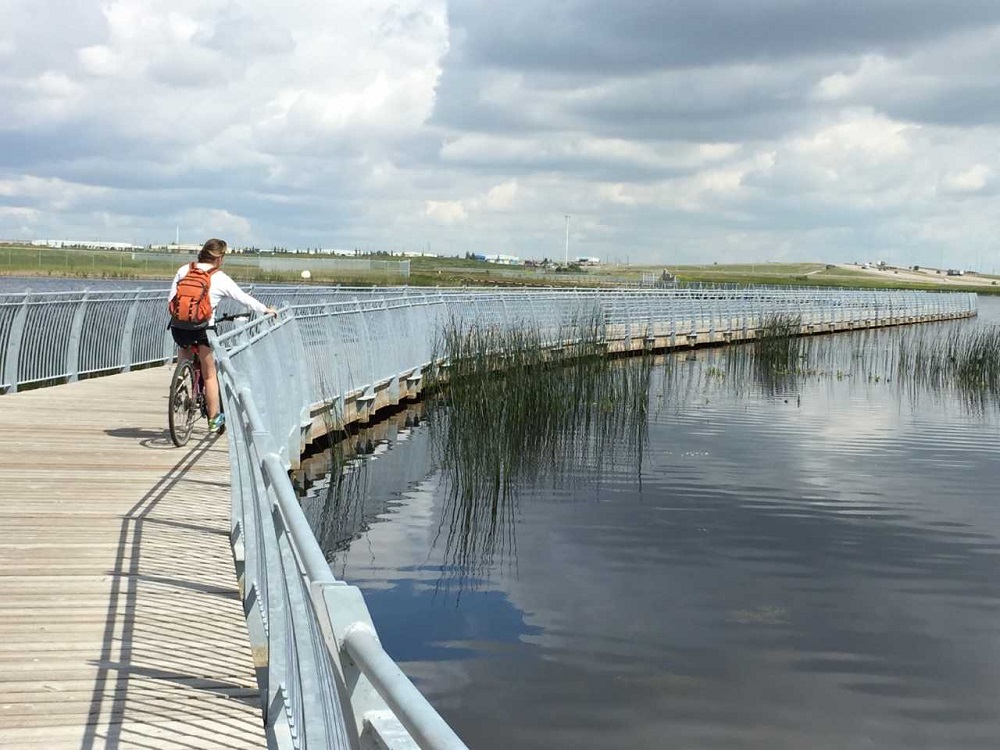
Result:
x=120 y=620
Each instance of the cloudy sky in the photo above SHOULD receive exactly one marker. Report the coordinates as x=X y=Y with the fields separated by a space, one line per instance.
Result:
x=669 y=130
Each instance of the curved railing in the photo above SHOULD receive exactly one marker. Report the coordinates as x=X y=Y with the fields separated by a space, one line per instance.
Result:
x=50 y=337
x=326 y=675
x=329 y=355
x=63 y=336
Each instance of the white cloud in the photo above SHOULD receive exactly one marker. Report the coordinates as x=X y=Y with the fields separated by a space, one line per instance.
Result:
x=866 y=134
x=214 y=222
x=499 y=198
x=49 y=193
x=446 y=212
x=502 y=196
x=871 y=71
x=971 y=180
x=616 y=193
x=16 y=214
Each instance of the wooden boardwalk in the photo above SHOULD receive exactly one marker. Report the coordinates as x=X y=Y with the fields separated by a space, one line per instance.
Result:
x=120 y=620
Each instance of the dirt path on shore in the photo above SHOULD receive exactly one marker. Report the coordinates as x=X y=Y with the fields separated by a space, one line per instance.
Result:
x=924 y=276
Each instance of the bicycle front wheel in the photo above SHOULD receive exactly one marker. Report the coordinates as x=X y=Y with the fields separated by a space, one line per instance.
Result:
x=183 y=409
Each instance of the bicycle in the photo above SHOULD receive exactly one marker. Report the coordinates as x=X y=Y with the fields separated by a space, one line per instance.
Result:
x=187 y=392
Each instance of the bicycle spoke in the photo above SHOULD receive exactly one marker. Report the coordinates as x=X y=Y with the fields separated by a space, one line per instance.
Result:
x=183 y=406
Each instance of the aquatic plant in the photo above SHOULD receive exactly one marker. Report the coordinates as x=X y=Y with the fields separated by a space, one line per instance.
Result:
x=521 y=402
x=963 y=360
x=771 y=363
x=778 y=346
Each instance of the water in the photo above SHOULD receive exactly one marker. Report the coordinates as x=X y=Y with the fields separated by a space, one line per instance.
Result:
x=19 y=284
x=807 y=564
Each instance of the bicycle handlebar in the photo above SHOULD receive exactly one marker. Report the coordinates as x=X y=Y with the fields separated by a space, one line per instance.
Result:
x=241 y=317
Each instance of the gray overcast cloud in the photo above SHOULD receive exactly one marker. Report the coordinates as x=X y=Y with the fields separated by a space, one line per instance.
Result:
x=717 y=130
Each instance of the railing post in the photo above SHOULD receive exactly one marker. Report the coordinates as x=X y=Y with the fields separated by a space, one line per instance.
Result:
x=125 y=353
x=72 y=366
x=13 y=357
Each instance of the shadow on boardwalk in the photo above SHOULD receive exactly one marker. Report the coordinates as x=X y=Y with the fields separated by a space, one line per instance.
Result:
x=160 y=660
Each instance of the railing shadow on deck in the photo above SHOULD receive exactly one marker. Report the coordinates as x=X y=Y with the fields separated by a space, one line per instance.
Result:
x=151 y=670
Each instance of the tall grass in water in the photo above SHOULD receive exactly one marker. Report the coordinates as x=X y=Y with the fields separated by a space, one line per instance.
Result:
x=966 y=361
x=773 y=361
x=521 y=402
x=778 y=345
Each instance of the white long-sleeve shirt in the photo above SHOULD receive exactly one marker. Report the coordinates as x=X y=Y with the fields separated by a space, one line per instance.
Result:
x=221 y=286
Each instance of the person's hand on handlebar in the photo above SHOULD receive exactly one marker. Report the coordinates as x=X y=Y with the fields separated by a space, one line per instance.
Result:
x=270 y=311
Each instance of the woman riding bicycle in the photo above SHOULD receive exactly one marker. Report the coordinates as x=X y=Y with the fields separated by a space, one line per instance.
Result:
x=192 y=313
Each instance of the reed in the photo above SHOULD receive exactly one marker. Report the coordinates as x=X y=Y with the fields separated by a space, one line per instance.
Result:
x=772 y=363
x=966 y=361
x=523 y=402
x=778 y=345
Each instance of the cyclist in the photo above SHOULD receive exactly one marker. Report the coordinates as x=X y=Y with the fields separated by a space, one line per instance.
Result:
x=195 y=333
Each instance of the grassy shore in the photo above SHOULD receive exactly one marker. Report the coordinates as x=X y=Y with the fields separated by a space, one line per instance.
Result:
x=18 y=260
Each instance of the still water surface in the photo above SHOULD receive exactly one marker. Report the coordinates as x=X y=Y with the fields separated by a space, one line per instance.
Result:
x=808 y=566
x=20 y=284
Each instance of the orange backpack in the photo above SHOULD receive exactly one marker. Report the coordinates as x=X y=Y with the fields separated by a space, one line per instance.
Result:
x=191 y=306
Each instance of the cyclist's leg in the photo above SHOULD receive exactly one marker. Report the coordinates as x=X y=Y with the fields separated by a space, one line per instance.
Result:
x=211 y=382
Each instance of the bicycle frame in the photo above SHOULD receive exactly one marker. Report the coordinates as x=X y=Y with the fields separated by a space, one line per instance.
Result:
x=187 y=398
x=199 y=379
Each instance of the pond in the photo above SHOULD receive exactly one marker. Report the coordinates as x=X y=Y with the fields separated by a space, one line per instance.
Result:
x=801 y=561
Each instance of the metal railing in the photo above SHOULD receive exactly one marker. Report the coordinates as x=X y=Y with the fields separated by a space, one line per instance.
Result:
x=64 y=336
x=327 y=681
x=49 y=337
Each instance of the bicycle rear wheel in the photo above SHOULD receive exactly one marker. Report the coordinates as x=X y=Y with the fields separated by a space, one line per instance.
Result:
x=183 y=409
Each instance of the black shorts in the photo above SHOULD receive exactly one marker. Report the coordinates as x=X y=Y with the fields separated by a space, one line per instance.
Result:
x=185 y=337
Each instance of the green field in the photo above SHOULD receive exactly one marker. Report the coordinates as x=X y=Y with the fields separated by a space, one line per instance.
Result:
x=19 y=260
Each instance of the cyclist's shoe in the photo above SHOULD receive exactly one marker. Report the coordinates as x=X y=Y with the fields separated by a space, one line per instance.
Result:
x=217 y=423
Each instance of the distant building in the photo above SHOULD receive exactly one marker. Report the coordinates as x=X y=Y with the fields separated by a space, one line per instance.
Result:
x=176 y=247
x=86 y=244
x=584 y=260
x=505 y=260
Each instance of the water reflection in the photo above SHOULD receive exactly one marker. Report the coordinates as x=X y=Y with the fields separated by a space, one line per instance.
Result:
x=482 y=444
x=350 y=484
x=933 y=362
x=493 y=435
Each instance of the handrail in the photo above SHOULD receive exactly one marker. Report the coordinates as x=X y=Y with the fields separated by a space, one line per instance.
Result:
x=267 y=520
x=48 y=337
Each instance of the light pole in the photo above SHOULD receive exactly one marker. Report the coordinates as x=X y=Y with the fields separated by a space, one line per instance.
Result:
x=567 y=241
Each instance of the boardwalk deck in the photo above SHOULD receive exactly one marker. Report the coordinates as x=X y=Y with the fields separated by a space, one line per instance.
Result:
x=120 y=620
